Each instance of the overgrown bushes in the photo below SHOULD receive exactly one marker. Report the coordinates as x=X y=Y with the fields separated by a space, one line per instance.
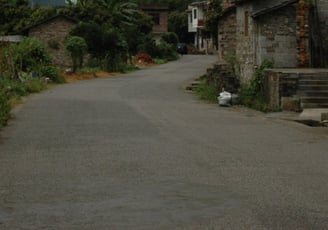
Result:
x=4 y=107
x=252 y=94
x=24 y=69
x=207 y=91
x=165 y=48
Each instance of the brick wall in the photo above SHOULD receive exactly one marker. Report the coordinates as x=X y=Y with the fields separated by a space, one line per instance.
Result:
x=162 y=27
x=52 y=32
x=227 y=35
x=276 y=38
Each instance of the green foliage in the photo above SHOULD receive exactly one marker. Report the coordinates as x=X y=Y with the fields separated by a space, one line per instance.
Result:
x=14 y=89
x=207 y=91
x=77 y=47
x=52 y=73
x=26 y=56
x=253 y=94
x=167 y=51
x=4 y=107
x=14 y=15
x=234 y=63
x=162 y=50
x=93 y=35
x=170 y=38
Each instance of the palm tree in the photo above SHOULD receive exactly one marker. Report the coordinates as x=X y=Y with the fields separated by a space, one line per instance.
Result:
x=122 y=11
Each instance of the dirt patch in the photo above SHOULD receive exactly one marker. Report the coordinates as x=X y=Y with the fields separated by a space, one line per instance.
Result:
x=71 y=77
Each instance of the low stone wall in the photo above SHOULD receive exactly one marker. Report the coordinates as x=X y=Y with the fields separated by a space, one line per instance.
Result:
x=282 y=86
x=223 y=77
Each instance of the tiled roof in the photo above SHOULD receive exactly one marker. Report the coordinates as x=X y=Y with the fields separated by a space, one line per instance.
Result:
x=265 y=6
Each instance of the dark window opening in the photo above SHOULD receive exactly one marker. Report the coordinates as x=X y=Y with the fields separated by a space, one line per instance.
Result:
x=246 y=23
x=156 y=18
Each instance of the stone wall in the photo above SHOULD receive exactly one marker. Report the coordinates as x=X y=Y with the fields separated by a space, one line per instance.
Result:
x=222 y=76
x=227 y=35
x=323 y=17
x=276 y=38
x=280 y=87
x=53 y=34
x=245 y=50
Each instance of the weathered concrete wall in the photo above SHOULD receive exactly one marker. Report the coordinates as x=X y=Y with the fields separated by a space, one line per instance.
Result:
x=245 y=50
x=54 y=32
x=323 y=17
x=276 y=38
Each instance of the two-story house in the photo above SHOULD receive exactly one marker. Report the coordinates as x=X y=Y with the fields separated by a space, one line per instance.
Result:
x=159 y=14
x=196 y=25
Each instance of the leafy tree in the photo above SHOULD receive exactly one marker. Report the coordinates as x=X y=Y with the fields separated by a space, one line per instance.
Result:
x=77 y=47
x=13 y=16
x=171 y=38
x=94 y=37
x=28 y=55
x=178 y=23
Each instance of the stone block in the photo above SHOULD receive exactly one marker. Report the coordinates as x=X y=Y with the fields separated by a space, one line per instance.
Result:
x=324 y=117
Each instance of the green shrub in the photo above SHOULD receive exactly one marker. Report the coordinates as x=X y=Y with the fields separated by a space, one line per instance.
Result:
x=77 y=47
x=166 y=51
x=34 y=85
x=4 y=108
x=252 y=94
x=170 y=38
x=207 y=91
x=52 y=73
x=28 y=55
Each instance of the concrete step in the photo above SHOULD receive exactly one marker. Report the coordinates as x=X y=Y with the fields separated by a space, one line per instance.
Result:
x=317 y=93
x=312 y=82
x=323 y=76
x=193 y=85
x=322 y=100
x=313 y=87
x=313 y=105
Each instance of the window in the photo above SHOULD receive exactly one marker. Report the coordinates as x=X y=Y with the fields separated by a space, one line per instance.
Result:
x=156 y=18
x=246 y=23
x=195 y=13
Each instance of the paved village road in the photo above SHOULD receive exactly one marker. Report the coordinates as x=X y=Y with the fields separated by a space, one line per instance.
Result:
x=138 y=152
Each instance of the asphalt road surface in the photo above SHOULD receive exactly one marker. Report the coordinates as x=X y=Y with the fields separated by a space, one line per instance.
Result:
x=138 y=152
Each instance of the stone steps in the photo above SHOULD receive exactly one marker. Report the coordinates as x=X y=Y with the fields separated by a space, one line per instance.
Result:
x=193 y=85
x=313 y=91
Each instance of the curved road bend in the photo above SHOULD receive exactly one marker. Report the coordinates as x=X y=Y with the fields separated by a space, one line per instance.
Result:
x=137 y=152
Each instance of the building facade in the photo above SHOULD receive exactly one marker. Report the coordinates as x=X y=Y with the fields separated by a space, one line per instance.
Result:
x=282 y=31
x=53 y=32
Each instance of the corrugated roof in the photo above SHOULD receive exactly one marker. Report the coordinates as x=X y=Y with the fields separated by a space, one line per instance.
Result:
x=48 y=2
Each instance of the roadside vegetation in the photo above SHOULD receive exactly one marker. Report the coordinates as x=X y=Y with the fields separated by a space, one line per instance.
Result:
x=251 y=94
x=207 y=91
x=112 y=36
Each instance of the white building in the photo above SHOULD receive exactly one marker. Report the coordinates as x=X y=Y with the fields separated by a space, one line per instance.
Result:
x=196 y=25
